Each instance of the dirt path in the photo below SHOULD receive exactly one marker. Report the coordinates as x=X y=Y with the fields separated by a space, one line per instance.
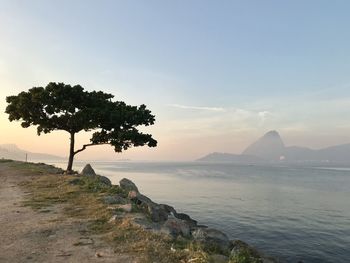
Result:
x=44 y=236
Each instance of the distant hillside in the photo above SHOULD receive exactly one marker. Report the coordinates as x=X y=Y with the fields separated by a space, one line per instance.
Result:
x=271 y=148
x=338 y=153
x=11 y=151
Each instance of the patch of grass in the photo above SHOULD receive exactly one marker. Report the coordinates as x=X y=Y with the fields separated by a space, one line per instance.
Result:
x=245 y=254
x=135 y=208
x=2 y=160
x=35 y=168
x=93 y=184
x=244 y=257
x=100 y=225
x=153 y=247
x=48 y=190
x=116 y=190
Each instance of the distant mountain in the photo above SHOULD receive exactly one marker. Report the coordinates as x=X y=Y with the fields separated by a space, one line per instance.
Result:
x=227 y=157
x=338 y=153
x=11 y=151
x=271 y=148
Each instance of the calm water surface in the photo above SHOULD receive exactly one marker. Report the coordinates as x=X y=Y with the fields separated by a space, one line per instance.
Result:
x=294 y=213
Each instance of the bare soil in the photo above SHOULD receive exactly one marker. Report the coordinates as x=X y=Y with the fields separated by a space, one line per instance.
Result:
x=46 y=235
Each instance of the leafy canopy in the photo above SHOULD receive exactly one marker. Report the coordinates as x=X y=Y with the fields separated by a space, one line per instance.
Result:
x=64 y=107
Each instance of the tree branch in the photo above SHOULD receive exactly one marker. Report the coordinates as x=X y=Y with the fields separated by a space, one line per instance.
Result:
x=87 y=145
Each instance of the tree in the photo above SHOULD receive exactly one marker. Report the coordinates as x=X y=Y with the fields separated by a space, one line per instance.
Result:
x=70 y=108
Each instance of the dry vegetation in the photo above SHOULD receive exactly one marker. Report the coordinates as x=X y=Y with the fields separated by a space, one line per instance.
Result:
x=82 y=199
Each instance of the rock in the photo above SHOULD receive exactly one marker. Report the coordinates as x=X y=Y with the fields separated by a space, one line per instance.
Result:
x=176 y=227
x=140 y=220
x=104 y=180
x=88 y=171
x=114 y=199
x=217 y=258
x=156 y=213
x=187 y=218
x=168 y=208
x=141 y=200
x=212 y=239
x=128 y=185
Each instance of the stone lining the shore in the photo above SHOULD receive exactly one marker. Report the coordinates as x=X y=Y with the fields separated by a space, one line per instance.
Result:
x=165 y=220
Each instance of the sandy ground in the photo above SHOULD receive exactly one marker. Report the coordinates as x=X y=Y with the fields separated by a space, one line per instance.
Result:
x=46 y=235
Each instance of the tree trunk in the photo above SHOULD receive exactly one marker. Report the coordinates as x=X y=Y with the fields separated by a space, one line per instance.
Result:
x=71 y=153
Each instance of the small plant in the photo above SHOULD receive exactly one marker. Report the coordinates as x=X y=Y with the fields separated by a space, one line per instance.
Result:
x=244 y=256
x=116 y=190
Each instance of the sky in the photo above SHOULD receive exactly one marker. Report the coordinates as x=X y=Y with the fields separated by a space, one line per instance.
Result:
x=216 y=74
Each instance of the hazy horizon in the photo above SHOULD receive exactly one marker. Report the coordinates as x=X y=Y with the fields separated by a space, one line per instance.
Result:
x=119 y=156
x=216 y=76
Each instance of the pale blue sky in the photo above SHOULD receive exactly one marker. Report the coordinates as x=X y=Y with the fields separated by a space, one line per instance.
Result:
x=217 y=74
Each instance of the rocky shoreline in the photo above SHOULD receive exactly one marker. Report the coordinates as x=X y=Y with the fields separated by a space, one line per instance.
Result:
x=164 y=219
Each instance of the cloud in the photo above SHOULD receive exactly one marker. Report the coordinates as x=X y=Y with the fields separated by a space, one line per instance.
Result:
x=263 y=115
x=214 y=121
x=179 y=106
x=228 y=114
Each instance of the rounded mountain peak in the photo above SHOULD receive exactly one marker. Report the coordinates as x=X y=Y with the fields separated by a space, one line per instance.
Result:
x=268 y=147
x=272 y=134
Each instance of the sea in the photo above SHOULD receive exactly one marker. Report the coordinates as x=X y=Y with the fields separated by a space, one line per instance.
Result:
x=291 y=212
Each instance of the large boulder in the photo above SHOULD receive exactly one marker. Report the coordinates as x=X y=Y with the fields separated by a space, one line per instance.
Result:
x=156 y=212
x=171 y=210
x=128 y=185
x=212 y=239
x=141 y=220
x=141 y=200
x=176 y=227
x=191 y=222
x=104 y=180
x=88 y=171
